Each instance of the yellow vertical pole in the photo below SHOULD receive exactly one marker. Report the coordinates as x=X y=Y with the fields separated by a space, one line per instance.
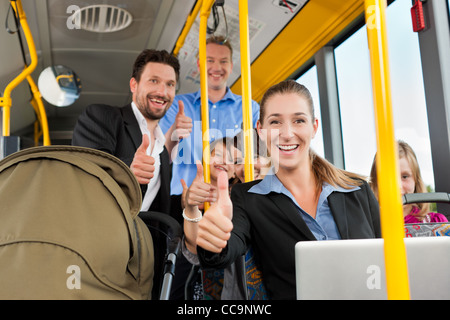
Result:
x=392 y=225
x=246 y=90
x=40 y=111
x=204 y=14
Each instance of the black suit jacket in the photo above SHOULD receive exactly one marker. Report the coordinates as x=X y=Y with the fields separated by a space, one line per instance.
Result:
x=273 y=225
x=116 y=131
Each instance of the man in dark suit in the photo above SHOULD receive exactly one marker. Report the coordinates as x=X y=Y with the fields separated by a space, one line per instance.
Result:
x=132 y=134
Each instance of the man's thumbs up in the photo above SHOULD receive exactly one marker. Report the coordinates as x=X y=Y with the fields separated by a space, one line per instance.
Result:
x=143 y=164
x=215 y=227
x=183 y=124
x=144 y=144
x=180 y=108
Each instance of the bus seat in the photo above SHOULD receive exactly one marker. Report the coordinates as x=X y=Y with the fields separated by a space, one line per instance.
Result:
x=427 y=229
x=242 y=281
x=430 y=229
x=255 y=285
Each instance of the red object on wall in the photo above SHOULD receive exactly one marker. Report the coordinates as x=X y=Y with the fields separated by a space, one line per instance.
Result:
x=418 y=20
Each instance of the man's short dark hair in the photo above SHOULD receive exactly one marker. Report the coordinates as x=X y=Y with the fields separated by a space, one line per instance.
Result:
x=158 y=56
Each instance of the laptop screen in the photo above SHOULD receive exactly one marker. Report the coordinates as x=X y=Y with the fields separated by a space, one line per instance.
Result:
x=355 y=269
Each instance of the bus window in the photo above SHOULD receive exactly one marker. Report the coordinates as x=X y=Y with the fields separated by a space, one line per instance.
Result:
x=309 y=80
x=408 y=94
x=448 y=7
x=408 y=97
x=355 y=102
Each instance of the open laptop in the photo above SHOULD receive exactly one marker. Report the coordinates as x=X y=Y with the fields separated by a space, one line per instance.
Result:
x=355 y=269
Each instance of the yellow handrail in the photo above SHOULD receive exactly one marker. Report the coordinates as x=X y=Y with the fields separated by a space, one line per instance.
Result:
x=39 y=108
x=6 y=101
x=37 y=130
x=189 y=21
x=204 y=14
x=392 y=224
x=246 y=90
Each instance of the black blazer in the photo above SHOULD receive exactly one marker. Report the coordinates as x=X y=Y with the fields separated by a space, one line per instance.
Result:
x=116 y=131
x=272 y=225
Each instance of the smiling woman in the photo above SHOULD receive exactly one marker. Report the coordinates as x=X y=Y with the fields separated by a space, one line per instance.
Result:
x=288 y=133
x=288 y=130
x=307 y=198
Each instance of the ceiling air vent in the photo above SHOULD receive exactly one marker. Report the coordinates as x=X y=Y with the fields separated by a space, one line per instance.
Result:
x=104 y=18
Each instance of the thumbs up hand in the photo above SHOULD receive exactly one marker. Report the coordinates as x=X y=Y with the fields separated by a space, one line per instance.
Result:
x=199 y=192
x=143 y=164
x=216 y=226
x=183 y=124
x=181 y=128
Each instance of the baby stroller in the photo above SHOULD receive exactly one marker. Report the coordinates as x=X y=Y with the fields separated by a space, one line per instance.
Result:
x=70 y=227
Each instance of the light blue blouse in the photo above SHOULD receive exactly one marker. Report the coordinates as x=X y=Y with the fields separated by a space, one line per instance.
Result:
x=323 y=227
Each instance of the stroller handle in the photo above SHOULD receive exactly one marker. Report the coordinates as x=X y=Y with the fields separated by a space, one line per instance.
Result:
x=176 y=231
x=173 y=247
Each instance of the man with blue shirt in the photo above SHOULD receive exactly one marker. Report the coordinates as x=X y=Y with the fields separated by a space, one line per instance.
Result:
x=183 y=130
x=182 y=122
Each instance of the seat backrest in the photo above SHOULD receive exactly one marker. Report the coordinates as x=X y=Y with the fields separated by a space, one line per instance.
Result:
x=427 y=229
x=70 y=228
